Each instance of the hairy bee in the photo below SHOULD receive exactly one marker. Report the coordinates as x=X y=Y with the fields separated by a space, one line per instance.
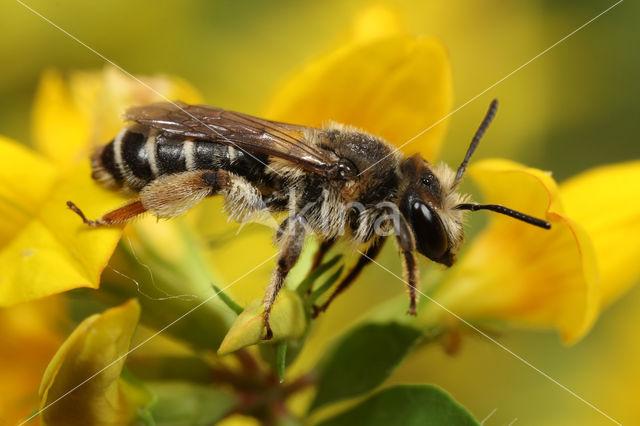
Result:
x=335 y=183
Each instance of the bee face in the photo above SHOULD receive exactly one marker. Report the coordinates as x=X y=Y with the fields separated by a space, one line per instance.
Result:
x=424 y=206
x=430 y=237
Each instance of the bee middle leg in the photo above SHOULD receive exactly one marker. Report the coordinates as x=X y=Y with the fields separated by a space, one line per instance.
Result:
x=365 y=259
x=292 y=239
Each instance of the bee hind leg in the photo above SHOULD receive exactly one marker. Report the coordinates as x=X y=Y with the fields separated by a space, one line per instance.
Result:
x=166 y=196
x=292 y=241
x=319 y=255
x=171 y=195
x=120 y=215
x=365 y=259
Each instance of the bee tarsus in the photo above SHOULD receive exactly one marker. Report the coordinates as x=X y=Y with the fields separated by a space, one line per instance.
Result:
x=121 y=215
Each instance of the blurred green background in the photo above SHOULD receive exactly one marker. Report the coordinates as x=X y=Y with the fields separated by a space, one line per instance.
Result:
x=573 y=108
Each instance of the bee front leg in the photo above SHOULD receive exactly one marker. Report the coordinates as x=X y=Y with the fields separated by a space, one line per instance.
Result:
x=411 y=279
x=292 y=238
x=407 y=245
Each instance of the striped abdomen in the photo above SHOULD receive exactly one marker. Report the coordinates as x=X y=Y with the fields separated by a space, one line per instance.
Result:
x=138 y=156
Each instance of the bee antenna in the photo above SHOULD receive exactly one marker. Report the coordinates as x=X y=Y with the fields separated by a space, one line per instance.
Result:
x=493 y=108
x=507 y=212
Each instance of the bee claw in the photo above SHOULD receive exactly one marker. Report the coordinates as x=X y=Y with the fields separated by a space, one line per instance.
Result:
x=269 y=334
x=317 y=310
x=79 y=212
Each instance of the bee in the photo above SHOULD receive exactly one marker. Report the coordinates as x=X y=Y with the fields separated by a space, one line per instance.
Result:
x=336 y=182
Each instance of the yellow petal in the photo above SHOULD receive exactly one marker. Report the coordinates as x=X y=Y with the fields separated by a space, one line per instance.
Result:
x=376 y=21
x=44 y=247
x=234 y=248
x=30 y=337
x=606 y=202
x=393 y=87
x=521 y=273
x=61 y=130
x=95 y=352
x=71 y=117
x=288 y=321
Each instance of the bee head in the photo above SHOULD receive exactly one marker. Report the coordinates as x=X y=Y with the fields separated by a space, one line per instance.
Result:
x=428 y=206
x=433 y=208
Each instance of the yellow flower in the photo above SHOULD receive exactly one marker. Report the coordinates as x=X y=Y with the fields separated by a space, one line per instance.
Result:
x=31 y=334
x=389 y=84
x=382 y=80
x=43 y=248
x=512 y=271
x=82 y=384
x=558 y=278
x=606 y=202
x=522 y=273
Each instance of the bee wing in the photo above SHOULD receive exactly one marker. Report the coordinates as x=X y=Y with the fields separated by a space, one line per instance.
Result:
x=286 y=141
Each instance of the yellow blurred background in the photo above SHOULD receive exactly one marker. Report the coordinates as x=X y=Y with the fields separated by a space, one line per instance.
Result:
x=573 y=108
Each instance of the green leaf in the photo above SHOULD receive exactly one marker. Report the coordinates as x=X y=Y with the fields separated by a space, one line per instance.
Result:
x=307 y=283
x=325 y=286
x=288 y=321
x=269 y=353
x=146 y=418
x=185 y=404
x=228 y=301
x=406 y=405
x=281 y=359
x=362 y=360
x=187 y=368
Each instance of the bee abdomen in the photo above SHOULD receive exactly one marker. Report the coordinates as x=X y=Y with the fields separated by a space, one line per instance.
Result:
x=125 y=161
x=136 y=157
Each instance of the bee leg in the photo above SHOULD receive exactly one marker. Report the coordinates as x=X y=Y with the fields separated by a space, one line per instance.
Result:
x=411 y=278
x=121 y=215
x=171 y=195
x=166 y=196
x=407 y=245
x=325 y=246
x=292 y=242
x=363 y=261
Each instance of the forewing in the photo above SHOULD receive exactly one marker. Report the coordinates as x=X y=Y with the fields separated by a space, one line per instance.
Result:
x=242 y=131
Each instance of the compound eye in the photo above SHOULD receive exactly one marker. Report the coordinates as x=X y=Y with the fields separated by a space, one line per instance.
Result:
x=431 y=239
